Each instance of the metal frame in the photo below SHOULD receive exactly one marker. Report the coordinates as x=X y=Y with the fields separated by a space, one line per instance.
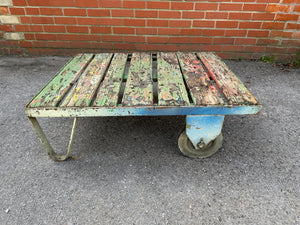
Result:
x=40 y=133
x=202 y=130
x=141 y=111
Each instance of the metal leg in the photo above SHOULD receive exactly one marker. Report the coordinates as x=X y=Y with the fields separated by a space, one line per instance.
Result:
x=202 y=130
x=38 y=130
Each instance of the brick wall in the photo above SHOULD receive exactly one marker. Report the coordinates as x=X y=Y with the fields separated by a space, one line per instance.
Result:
x=232 y=28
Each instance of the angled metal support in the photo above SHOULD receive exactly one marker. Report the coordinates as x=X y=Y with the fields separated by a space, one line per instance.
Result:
x=201 y=130
x=40 y=133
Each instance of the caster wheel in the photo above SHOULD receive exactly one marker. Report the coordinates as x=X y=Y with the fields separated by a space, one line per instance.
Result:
x=186 y=147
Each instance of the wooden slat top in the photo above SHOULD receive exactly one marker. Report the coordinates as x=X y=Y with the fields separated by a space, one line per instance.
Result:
x=142 y=80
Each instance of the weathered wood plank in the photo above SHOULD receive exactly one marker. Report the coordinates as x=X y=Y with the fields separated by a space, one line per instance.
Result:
x=110 y=88
x=171 y=88
x=85 y=88
x=233 y=89
x=138 y=89
x=203 y=92
x=56 y=89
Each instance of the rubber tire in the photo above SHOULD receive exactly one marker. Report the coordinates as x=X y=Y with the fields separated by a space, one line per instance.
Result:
x=186 y=147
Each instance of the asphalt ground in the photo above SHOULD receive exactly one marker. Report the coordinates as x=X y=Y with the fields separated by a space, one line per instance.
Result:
x=130 y=170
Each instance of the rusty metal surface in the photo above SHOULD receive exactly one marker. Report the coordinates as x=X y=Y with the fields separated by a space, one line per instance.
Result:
x=90 y=85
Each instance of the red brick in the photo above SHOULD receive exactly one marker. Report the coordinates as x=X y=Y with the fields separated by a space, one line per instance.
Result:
x=170 y=14
x=276 y=33
x=122 y=12
x=80 y=44
x=180 y=23
x=206 y=6
x=203 y=23
x=45 y=36
x=146 y=13
x=51 y=11
x=112 y=38
x=134 y=4
x=89 y=37
x=58 y=44
x=213 y=32
x=223 y=40
x=278 y=8
x=15 y=11
x=22 y=28
x=267 y=42
x=254 y=48
x=123 y=30
x=68 y=37
x=216 y=15
x=201 y=40
x=182 y=40
x=6 y=28
x=111 y=21
x=287 y=17
x=173 y=48
x=230 y=6
x=191 y=32
x=233 y=33
x=54 y=28
x=75 y=12
x=102 y=45
x=273 y=25
x=98 y=12
x=158 y=5
x=146 y=47
x=258 y=33
x=293 y=26
x=239 y=16
x=255 y=7
x=157 y=39
x=87 y=3
x=40 y=44
x=263 y=16
x=42 y=20
x=226 y=24
x=232 y=48
x=26 y=44
x=65 y=3
x=88 y=21
x=39 y=2
x=110 y=3
x=124 y=46
x=65 y=20
x=211 y=48
x=29 y=36
x=247 y=25
x=101 y=30
x=134 y=22
x=192 y=15
x=32 y=11
x=19 y=2
x=77 y=29
x=36 y=28
x=168 y=31
x=291 y=42
x=296 y=8
x=189 y=48
x=157 y=23
x=245 y=41
x=182 y=5
x=276 y=50
x=146 y=30
x=135 y=39
x=25 y=19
